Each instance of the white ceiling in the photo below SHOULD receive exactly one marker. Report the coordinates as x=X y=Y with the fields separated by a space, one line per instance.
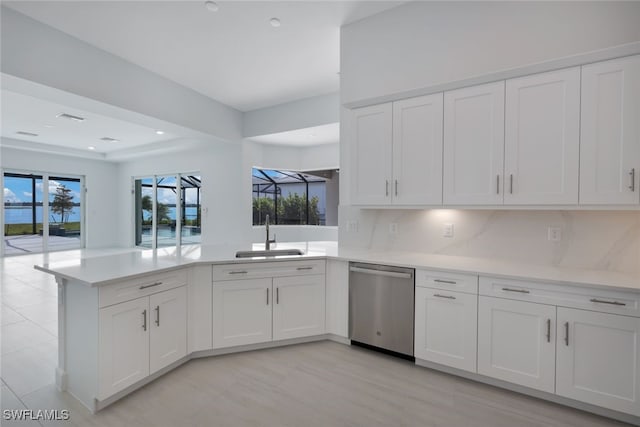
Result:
x=233 y=55
x=26 y=113
x=317 y=135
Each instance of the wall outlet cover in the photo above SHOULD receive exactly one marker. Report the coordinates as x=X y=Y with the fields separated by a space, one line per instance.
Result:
x=447 y=230
x=554 y=234
x=393 y=228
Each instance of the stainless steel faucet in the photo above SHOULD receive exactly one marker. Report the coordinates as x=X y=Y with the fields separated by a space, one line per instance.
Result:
x=268 y=242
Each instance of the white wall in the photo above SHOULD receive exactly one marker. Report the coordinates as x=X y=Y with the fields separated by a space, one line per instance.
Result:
x=221 y=197
x=423 y=43
x=428 y=44
x=300 y=114
x=101 y=180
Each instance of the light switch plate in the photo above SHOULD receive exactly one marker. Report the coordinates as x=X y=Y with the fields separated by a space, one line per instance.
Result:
x=447 y=230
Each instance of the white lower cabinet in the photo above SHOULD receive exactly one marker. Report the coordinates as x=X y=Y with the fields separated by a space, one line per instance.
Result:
x=253 y=311
x=140 y=337
x=598 y=359
x=299 y=307
x=516 y=342
x=241 y=312
x=446 y=327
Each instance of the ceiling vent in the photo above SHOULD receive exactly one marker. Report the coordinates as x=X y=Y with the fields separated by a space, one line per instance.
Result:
x=70 y=117
x=21 y=132
x=107 y=139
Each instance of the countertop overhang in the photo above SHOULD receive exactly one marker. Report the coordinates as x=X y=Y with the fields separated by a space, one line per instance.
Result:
x=102 y=267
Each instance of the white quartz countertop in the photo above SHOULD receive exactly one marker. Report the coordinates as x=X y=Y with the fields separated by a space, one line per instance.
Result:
x=101 y=267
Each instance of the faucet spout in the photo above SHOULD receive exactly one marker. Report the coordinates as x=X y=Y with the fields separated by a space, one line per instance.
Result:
x=268 y=242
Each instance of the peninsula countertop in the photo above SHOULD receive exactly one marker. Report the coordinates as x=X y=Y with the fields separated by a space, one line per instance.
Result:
x=101 y=267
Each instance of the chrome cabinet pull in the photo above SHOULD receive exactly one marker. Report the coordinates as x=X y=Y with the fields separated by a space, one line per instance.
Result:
x=511 y=184
x=277 y=295
x=607 y=302
x=444 y=296
x=267 y=296
x=522 y=291
x=548 y=330
x=566 y=333
x=157 y=315
x=449 y=282
x=498 y=184
x=304 y=268
x=396 y=187
x=632 y=187
x=144 y=320
x=386 y=188
x=238 y=272
x=151 y=285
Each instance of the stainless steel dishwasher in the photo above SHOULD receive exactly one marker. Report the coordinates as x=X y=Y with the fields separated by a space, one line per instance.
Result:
x=381 y=307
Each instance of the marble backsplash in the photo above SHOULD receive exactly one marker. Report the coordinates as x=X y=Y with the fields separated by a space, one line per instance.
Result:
x=601 y=240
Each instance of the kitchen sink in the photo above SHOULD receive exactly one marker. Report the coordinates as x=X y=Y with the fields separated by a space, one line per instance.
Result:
x=271 y=252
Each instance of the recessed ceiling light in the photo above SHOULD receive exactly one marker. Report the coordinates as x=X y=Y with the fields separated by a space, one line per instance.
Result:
x=107 y=139
x=275 y=22
x=47 y=125
x=160 y=132
x=70 y=117
x=91 y=147
x=21 y=132
x=211 y=6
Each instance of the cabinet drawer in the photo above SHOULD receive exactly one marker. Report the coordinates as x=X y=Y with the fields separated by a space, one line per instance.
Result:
x=467 y=283
x=267 y=269
x=141 y=286
x=574 y=296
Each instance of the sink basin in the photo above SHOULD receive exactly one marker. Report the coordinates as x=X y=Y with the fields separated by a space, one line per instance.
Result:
x=272 y=252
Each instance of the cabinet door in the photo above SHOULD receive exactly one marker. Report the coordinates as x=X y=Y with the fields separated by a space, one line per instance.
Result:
x=610 y=134
x=446 y=328
x=168 y=338
x=124 y=346
x=542 y=125
x=599 y=359
x=417 y=151
x=474 y=145
x=298 y=309
x=516 y=342
x=241 y=312
x=371 y=139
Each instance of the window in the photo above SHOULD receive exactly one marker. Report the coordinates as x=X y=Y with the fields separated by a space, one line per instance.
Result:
x=295 y=198
x=167 y=210
x=30 y=225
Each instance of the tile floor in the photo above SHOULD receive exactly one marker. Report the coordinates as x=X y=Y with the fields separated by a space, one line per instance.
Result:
x=318 y=384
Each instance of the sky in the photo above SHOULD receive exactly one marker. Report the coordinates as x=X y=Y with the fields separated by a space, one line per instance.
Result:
x=19 y=189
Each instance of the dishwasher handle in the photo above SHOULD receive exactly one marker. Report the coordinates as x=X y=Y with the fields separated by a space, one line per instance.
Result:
x=381 y=272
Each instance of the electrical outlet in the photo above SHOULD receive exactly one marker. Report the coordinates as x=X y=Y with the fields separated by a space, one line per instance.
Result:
x=554 y=234
x=352 y=226
x=447 y=230
x=393 y=228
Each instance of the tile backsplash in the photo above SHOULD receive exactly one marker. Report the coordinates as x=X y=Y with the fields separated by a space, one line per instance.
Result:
x=601 y=240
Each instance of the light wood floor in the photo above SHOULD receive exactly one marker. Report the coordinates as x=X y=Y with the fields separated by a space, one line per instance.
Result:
x=317 y=384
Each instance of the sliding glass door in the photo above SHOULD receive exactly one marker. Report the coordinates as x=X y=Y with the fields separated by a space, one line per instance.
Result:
x=167 y=210
x=32 y=225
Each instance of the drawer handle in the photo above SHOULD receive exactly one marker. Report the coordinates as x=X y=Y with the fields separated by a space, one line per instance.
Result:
x=449 y=282
x=522 y=291
x=444 y=296
x=607 y=302
x=151 y=285
x=304 y=268
x=238 y=272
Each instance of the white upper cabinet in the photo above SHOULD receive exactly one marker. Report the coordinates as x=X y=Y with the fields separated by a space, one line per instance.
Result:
x=610 y=132
x=474 y=145
x=417 y=151
x=371 y=137
x=542 y=125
